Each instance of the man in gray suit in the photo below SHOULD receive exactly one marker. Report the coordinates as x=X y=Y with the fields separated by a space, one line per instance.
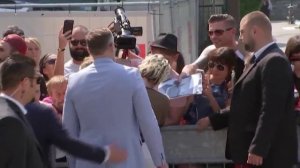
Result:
x=107 y=102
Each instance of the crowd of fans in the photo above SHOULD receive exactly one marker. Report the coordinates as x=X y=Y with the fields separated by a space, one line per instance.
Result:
x=223 y=63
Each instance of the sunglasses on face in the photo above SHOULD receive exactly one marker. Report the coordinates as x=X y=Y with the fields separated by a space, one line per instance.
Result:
x=76 y=42
x=294 y=57
x=51 y=61
x=218 y=32
x=220 y=67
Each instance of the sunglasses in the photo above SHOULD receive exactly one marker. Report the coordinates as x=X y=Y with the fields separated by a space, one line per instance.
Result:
x=220 y=67
x=76 y=42
x=51 y=61
x=294 y=59
x=218 y=32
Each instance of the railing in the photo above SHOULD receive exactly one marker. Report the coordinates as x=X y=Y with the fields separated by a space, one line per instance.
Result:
x=99 y=4
x=184 y=144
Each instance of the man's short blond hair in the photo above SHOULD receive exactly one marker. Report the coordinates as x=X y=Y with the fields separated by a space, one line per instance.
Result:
x=55 y=81
x=98 y=41
x=155 y=68
x=33 y=40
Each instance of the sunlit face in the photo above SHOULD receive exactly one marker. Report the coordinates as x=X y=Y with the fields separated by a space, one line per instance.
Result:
x=5 y=50
x=77 y=45
x=49 y=64
x=220 y=33
x=33 y=51
x=58 y=94
x=218 y=71
x=246 y=36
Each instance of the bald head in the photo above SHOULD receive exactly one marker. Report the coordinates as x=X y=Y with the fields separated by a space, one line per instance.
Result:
x=80 y=29
x=255 y=31
x=259 y=20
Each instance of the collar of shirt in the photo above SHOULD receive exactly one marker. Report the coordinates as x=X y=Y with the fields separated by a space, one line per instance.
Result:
x=261 y=50
x=15 y=101
x=239 y=54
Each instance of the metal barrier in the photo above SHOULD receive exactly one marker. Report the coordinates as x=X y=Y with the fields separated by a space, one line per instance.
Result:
x=184 y=144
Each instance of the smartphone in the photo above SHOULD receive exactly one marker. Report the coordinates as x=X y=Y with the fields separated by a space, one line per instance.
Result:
x=68 y=25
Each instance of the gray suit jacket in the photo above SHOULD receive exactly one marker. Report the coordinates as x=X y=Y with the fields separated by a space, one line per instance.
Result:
x=108 y=103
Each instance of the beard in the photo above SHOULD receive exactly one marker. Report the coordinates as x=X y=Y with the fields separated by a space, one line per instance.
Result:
x=250 y=45
x=78 y=54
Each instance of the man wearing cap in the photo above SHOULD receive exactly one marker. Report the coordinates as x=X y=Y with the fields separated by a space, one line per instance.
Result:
x=12 y=44
x=16 y=44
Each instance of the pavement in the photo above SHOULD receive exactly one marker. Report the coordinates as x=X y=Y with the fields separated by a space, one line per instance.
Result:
x=282 y=31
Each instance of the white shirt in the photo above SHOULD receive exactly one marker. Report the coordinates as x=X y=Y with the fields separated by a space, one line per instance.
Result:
x=70 y=67
x=261 y=50
x=14 y=101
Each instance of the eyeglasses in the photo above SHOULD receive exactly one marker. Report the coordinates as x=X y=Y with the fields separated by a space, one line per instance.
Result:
x=220 y=67
x=51 y=61
x=76 y=42
x=294 y=57
x=218 y=32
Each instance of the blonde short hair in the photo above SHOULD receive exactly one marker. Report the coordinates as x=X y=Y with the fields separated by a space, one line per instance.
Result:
x=54 y=81
x=34 y=41
x=155 y=68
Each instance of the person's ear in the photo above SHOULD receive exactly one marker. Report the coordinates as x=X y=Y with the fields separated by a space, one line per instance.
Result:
x=25 y=83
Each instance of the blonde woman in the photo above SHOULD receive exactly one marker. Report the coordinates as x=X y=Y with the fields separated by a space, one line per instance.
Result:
x=33 y=49
x=154 y=69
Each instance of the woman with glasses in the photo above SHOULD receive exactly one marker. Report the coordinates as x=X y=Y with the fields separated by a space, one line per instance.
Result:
x=47 y=64
x=292 y=51
x=215 y=95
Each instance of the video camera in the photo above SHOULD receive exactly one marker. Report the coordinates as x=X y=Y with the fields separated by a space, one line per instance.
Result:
x=124 y=34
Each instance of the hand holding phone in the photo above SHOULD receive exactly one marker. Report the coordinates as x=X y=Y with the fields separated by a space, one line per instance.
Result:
x=65 y=33
x=68 y=25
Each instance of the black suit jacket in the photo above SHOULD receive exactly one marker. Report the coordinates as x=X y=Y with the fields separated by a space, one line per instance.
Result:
x=261 y=119
x=18 y=146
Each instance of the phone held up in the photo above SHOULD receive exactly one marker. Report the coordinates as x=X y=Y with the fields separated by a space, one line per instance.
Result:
x=68 y=25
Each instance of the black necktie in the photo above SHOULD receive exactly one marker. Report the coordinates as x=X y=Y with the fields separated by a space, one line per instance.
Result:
x=252 y=59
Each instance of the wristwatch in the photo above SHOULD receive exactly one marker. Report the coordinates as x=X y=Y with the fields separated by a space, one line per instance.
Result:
x=61 y=49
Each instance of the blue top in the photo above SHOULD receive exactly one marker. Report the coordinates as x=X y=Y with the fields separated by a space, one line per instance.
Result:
x=201 y=108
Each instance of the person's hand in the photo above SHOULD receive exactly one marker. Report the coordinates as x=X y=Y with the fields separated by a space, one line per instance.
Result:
x=117 y=154
x=187 y=71
x=202 y=123
x=63 y=38
x=206 y=86
x=254 y=159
